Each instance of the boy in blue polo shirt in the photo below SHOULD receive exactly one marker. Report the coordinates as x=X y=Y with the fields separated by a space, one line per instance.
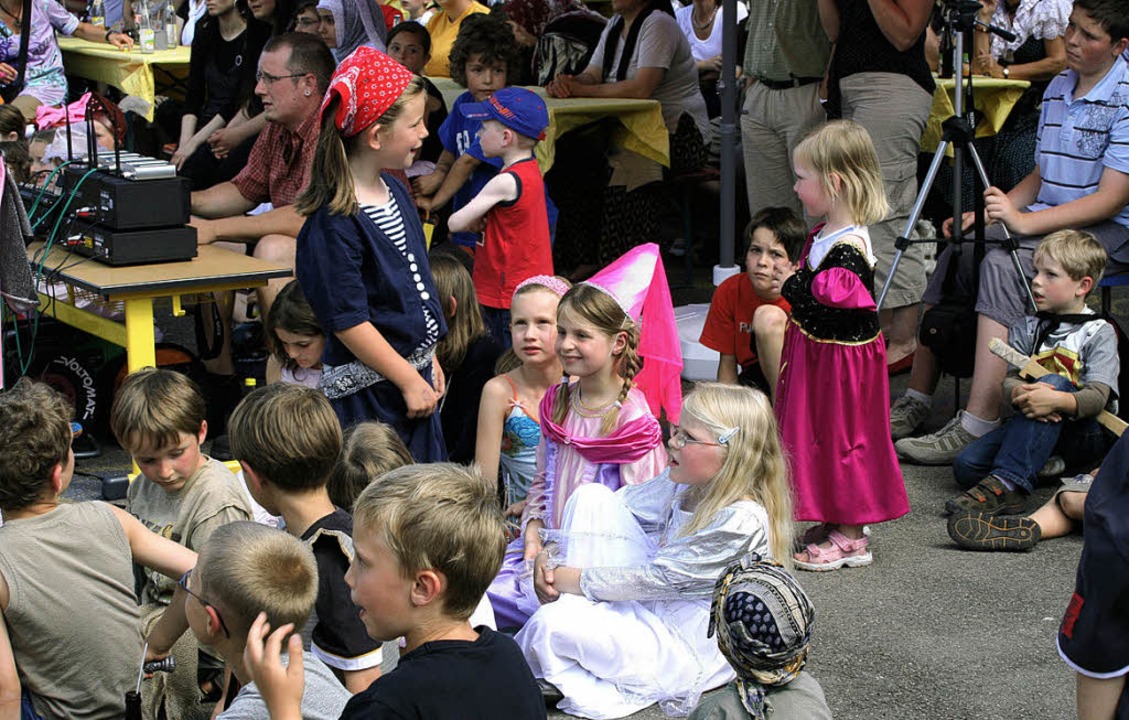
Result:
x=1081 y=181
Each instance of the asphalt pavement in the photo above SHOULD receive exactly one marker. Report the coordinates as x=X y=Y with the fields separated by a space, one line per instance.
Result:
x=929 y=631
x=933 y=632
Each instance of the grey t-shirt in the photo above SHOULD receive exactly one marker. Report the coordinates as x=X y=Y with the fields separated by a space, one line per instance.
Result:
x=661 y=44
x=323 y=698
x=801 y=699
x=72 y=616
x=209 y=499
x=1084 y=353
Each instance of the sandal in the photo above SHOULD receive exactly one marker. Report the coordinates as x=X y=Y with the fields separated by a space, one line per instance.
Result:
x=843 y=552
x=813 y=536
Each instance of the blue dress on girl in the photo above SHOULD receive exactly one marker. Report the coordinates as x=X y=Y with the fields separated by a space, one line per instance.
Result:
x=518 y=459
x=372 y=266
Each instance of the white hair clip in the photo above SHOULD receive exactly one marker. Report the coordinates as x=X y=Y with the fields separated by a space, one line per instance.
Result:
x=728 y=435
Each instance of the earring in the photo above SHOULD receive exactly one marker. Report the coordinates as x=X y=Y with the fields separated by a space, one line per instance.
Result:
x=307 y=93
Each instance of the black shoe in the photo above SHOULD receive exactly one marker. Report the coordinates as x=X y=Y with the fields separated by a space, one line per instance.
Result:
x=549 y=692
x=980 y=531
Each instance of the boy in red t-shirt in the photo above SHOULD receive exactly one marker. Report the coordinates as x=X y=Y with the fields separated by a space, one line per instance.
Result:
x=515 y=245
x=747 y=315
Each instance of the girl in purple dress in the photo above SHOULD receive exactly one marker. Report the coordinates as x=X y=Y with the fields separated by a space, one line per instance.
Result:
x=598 y=428
x=832 y=399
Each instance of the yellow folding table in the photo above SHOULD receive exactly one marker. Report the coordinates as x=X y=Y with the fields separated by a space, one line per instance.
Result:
x=131 y=71
x=138 y=287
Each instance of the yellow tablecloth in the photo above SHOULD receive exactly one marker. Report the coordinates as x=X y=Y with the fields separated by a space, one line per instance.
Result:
x=131 y=72
x=993 y=97
x=641 y=128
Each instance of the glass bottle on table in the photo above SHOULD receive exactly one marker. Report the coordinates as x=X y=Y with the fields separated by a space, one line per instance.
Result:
x=146 y=37
x=97 y=13
x=172 y=33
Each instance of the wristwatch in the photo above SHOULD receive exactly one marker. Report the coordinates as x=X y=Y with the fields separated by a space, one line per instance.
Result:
x=1007 y=72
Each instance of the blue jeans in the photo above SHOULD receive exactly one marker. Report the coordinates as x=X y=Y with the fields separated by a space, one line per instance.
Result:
x=27 y=709
x=498 y=323
x=1018 y=449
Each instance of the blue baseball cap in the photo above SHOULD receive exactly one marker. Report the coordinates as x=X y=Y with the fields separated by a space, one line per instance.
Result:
x=520 y=110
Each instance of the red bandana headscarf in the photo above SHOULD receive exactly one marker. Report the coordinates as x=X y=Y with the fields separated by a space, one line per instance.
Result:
x=368 y=83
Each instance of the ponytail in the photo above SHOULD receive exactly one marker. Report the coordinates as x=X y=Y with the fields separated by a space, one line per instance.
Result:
x=331 y=181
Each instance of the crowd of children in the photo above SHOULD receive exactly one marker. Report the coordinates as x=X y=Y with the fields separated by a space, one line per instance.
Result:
x=611 y=527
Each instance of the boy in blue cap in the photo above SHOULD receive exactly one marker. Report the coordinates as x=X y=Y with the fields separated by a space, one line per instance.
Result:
x=515 y=244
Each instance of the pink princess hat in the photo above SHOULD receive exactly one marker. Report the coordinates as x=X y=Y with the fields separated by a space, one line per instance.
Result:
x=637 y=281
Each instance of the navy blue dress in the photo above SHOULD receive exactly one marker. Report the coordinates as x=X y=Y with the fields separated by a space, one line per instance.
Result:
x=351 y=272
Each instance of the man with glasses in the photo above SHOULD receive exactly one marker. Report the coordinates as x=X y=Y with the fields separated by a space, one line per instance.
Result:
x=294 y=72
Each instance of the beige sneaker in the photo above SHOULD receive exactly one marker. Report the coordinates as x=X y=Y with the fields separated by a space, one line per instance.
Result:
x=939 y=448
x=907 y=415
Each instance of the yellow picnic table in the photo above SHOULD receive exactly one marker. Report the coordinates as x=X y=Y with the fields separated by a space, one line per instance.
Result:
x=133 y=72
x=994 y=98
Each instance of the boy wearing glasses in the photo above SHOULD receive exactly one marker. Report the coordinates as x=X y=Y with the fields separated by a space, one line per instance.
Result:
x=245 y=569
x=287 y=438
x=72 y=663
x=183 y=495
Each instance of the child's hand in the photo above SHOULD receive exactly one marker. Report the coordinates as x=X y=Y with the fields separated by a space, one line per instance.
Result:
x=428 y=184
x=281 y=687
x=420 y=398
x=438 y=378
x=516 y=509
x=543 y=580
x=1039 y=401
x=532 y=539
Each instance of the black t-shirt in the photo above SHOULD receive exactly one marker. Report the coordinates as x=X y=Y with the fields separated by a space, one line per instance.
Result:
x=457 y=680
x=459 y=413
x=339 y=637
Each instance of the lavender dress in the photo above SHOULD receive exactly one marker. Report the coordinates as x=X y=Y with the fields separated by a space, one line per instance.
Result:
x=44 y=78
x=561 y=469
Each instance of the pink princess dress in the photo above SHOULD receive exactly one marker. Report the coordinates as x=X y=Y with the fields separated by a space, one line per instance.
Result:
x=833 y=397
x=571 y=455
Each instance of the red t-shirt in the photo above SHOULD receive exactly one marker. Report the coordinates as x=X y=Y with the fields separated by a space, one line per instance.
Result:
x=729 y=325
x=515 y=246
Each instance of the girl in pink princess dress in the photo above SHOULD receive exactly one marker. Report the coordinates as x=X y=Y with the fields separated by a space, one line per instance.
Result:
x=601 y=427
x=832 y=400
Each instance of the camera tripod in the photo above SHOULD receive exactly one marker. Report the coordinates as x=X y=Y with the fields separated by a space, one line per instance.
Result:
x=957 y=132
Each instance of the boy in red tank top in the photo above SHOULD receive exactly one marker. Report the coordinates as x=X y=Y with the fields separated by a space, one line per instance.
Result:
x=515 y=244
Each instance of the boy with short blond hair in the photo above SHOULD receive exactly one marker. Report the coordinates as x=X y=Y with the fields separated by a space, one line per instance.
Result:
x=67 y=665
x=287 y=438
x=182 y=494
x=245 y=569
x=1056 y=413
x=429 y=539
x=515 y=245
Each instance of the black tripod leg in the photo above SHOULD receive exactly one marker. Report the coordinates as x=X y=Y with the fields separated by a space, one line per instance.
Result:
x=1010 y=243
